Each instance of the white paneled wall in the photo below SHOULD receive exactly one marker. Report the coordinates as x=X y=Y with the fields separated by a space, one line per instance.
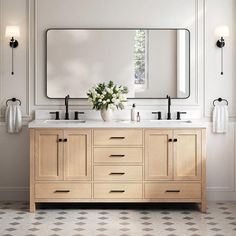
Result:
x=14 y=164
x=221 y=160
x=28 y=84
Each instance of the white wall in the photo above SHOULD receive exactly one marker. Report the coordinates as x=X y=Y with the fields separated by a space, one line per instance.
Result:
x=201 y=17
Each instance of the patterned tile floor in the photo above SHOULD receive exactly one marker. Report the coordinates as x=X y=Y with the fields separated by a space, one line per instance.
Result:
x=117 y=220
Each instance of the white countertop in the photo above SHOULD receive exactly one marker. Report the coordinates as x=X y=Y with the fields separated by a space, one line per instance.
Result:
x=117 y=124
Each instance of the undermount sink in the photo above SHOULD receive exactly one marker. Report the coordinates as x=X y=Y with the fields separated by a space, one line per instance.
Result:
x=123 y=121
x=155 y=121
x=171 y=121
x=64 y=121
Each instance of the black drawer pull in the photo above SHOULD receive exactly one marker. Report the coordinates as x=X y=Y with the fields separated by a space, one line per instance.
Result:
x=117 y=191
x=59 y=140
x=175 y=140
x=117 y=173
x=62 y=191
x=117 y=137
x=172 y=191
x=117 y=156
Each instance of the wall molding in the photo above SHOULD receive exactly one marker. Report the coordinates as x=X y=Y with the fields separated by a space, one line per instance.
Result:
x=2 y=39
x=196 y=103
x=14 y=193
x=1 y=51
x=2 y=18
x=220 y=189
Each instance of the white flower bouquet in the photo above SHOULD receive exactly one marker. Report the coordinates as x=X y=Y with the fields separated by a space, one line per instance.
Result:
x=107 y=96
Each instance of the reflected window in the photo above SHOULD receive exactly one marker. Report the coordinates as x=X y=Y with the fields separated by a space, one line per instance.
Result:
x=140 y=50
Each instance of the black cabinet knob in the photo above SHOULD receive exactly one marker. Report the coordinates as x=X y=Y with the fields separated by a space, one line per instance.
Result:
x=175 y=140
x=170 y=140
x=59 y=140
x=65 y=140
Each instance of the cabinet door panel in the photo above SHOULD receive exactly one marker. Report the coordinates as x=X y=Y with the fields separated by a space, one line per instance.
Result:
x=158 y=155
x=77 y=154
x=187 y=155
x=48 y=155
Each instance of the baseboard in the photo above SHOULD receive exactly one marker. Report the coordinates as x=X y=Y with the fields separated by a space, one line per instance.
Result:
x=14 y=194
x=22 y=194
x=221 y=196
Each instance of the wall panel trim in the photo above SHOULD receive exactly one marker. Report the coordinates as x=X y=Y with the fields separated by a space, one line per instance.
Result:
x=198 y=18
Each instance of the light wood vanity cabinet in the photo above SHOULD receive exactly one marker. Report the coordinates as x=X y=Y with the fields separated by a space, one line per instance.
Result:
x=62 y=154
x=117 y=165
x=173 y=155
x=48 y=154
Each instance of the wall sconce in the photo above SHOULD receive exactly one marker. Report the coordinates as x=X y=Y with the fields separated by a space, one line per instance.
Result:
x=12 y=32
x=221 y=32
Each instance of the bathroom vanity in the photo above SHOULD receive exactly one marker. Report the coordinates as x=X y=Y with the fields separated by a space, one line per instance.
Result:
x=117 y=162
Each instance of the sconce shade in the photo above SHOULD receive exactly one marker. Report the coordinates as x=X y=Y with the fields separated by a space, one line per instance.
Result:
x=12 y=31
x=222 y=31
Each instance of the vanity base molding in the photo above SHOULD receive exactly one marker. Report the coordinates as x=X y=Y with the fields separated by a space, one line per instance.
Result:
x=117 y=165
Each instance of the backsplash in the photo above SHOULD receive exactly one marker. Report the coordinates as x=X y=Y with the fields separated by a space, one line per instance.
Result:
x=118 y=115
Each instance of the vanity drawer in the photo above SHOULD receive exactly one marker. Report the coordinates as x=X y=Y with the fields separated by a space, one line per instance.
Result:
x=118 y=155
x=173 y=190
x=62 y=190
x=118 y=137
x=118 y=190
x=121 y=173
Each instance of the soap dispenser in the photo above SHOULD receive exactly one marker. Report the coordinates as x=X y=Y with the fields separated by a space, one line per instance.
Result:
x=133 y=113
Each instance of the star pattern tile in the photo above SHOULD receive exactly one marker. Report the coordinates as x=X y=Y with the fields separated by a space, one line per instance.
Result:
x=118 y=220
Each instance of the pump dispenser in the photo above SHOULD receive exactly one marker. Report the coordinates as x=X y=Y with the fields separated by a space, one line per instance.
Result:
x=133 y=113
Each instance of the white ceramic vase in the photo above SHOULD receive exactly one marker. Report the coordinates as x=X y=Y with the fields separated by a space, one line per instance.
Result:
x=107 y=114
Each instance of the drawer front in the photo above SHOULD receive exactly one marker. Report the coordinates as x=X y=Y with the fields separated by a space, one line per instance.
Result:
x=118 y=190
x=118 y=155
x=118 y=137
x=62 y=190
x=121 y=173
x=173 y=190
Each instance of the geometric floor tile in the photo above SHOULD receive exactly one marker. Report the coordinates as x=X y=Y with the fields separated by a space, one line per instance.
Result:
x=117 y=220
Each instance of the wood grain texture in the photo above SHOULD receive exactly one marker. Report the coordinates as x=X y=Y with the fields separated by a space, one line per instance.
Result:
x=118 y=190
x=187 y=154
x=90 y=167
x=118 y=137
x=62 y=190
x=172 y=190
x=118 y=173
x=32 y=168
x=119 y=155
x=48 y=154
x=203 y=180
x=158 y=155
x=77 y=154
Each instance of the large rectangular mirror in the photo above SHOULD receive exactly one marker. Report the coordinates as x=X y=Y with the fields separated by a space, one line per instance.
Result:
x=150 y=62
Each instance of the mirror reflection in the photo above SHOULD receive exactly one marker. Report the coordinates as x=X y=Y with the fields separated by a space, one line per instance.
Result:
x=150 y=62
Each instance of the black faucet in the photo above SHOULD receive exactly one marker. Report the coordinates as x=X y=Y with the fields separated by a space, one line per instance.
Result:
x=66 y=104
x=169 y=104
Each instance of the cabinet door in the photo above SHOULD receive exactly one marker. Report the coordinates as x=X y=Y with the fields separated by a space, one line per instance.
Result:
x=77 y=154
x=187 y=155
x=48 y=154
x=158 y=155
